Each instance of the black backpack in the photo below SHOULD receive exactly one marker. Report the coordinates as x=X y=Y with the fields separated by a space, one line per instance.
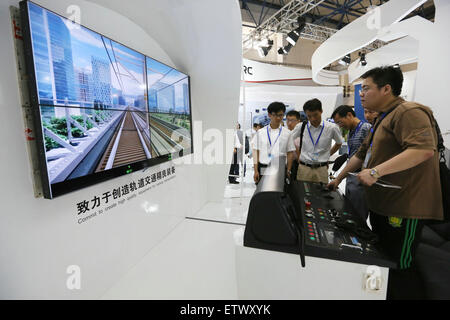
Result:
x=294 y=168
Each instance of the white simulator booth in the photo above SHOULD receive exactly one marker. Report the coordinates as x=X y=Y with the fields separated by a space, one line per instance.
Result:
x=43 y=239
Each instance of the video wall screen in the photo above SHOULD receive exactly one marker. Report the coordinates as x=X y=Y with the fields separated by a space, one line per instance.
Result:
x=104 y=109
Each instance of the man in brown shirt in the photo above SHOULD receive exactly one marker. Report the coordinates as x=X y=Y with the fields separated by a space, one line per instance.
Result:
x=400 y=151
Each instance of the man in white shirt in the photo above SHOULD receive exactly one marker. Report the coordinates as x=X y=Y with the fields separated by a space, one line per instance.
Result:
x=237 y=155
x=273 y=141
x=316 y=147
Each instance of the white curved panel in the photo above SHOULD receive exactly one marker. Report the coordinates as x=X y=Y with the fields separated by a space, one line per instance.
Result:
x=295 y=96
x=259 y=71
x=41 y=238
x=402 y=51
x=327 y=77
x=360 y=33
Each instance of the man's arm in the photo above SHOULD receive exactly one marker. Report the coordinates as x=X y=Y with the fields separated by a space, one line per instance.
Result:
x=290 y=160
x=403 y=161
x=337 y=137
x=335 y=148
x=354 y=164
x=255 y=166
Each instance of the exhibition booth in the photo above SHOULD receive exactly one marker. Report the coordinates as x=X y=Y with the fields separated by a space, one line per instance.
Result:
x=118 y=129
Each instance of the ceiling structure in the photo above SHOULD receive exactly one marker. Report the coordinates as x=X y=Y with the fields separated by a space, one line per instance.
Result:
x=264 y=18
x=334 y=14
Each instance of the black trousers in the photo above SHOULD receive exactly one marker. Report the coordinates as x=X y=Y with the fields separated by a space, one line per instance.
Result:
x=261 y=165
x=234 y=169
x=399 y=239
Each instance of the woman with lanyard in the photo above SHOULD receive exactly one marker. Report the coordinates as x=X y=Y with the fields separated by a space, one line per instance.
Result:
x=273 y=141
x=345 y=117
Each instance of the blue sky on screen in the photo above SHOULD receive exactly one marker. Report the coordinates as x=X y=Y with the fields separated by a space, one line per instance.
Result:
x=126 y=65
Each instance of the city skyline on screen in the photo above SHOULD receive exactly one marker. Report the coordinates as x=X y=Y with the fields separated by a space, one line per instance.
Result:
x=102 y=106
x=75 y=66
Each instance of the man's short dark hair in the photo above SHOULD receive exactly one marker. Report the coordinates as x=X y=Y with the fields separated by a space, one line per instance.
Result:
x=276 y=107
x=293 y=113
x=312 y=105
x=382 y=76
x=342 y=111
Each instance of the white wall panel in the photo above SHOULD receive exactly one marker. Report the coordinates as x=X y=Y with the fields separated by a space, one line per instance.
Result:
x=295 y=96
x=434 y=65
x=40 y=238
x=258 y=71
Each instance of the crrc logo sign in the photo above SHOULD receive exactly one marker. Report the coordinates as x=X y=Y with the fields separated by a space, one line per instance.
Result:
x=248 y=70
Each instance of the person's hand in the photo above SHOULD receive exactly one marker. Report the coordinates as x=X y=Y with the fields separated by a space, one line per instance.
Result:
x=256 y=176
x=333 y=185
x=288 y=173
x=365 y=178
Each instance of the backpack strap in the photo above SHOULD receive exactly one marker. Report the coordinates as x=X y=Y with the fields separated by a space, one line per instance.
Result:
x=301 y=134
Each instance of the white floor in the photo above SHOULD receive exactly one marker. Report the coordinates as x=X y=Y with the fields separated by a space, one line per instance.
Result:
x=197 y=259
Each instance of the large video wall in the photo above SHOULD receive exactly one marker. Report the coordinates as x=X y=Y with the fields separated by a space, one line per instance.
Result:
x=104 y=109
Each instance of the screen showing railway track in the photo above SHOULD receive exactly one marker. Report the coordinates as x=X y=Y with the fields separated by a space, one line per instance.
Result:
x=104 y=109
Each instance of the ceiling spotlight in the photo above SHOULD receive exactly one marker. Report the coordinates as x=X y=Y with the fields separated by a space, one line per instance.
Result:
x=345 y=60
x=301 y=22
x=292 y=37
x=363 y=59
x=264 y=48
x=285 y=49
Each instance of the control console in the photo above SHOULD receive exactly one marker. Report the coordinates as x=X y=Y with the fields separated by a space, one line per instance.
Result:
x=331 y=228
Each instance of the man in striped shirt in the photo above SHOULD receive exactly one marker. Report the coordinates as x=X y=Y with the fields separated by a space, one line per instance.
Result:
x=345 y=117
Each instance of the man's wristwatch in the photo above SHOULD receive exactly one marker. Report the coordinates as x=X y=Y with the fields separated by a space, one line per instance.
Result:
x=374 y=173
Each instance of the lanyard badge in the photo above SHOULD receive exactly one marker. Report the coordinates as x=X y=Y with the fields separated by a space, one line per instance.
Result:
x=315 y=155
x=270 y=141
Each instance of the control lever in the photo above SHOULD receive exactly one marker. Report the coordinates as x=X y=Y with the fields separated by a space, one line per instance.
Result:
x=351 y=246
x=338 y=162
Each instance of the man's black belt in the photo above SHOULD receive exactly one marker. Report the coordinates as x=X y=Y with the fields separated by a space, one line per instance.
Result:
x=315 y=165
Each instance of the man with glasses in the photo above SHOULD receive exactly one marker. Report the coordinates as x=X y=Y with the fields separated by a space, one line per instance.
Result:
x=345 y=117
x=402 y=149
x=292 y=119
x=273 y=141
x=316 y=146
